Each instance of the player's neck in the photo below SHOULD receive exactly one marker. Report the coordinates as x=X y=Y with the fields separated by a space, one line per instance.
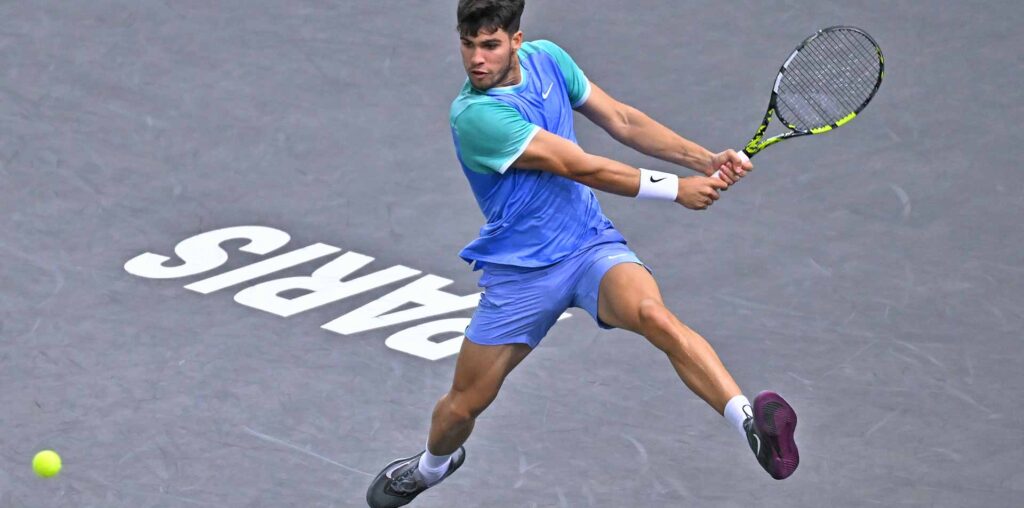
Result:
x=514 y=75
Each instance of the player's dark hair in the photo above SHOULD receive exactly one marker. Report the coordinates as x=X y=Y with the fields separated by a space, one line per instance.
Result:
x=489 y=16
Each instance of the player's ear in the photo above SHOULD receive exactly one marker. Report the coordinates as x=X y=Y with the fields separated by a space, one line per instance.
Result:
x=517 y=40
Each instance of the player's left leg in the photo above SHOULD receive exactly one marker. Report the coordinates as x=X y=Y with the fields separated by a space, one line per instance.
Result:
x=629 y=298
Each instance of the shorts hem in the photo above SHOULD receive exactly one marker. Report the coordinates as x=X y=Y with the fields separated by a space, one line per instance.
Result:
x=597 y=298
x=519 y=339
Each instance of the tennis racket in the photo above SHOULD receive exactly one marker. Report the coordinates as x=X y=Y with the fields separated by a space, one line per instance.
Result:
x=829 y=78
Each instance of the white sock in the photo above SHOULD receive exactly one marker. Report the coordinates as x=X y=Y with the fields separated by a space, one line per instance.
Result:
x=737 y=410
x=433 y=467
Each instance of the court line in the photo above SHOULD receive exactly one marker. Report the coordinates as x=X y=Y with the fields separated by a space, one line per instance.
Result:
x=275 y=440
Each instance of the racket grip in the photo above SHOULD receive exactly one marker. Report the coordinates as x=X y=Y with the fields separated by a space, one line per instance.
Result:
x=718 y=174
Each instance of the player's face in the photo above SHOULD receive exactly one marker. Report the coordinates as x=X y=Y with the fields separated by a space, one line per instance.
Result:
x=490 y=58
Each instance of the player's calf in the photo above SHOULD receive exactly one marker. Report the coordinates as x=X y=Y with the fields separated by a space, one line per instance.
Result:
x=453 y=420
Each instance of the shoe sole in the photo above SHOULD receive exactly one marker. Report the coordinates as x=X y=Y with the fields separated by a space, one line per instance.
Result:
x=776 y=419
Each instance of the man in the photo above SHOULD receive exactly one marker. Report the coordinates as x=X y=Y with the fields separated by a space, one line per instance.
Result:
x=547 y=246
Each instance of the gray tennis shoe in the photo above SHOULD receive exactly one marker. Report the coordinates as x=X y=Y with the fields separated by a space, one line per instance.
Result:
x=400 y=481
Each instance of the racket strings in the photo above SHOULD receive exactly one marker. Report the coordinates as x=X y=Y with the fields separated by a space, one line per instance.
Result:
x=833 y=75
x=865 y=75
x=826 y=82
x=825 y=86
x=841 y=71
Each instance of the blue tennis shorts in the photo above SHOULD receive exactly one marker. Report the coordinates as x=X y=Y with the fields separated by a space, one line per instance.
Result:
x=520 y=305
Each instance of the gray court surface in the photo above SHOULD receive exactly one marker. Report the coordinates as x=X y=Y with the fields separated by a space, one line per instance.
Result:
x=874 y=276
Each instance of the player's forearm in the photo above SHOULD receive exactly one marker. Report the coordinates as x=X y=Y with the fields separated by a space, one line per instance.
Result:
x=607 y=175
x=645 y=135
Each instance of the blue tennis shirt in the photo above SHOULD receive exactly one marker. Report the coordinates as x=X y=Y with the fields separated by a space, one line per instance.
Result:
x=534 y=218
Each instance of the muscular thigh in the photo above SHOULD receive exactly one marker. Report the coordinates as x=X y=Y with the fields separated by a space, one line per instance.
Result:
x=481 y=369
x=623 y=288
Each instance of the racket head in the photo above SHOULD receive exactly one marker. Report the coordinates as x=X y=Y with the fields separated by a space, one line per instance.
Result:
x=829 y=78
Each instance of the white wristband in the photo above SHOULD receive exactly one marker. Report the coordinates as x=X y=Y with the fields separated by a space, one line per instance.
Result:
x=658 y=185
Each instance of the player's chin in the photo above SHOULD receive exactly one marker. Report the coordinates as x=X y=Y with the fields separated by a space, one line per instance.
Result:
x=480 y=80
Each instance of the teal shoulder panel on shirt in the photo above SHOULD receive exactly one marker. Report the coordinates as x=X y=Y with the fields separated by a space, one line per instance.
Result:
x=576 y=82
x=490 y=134
x=468 y=95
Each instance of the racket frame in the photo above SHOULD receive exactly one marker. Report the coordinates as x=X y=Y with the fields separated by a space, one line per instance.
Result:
x=756 y=145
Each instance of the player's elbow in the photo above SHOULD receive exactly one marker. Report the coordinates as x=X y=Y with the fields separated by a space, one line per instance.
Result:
x=554 y=154
x=583 y=167
x=621 y=122
x=624 y=116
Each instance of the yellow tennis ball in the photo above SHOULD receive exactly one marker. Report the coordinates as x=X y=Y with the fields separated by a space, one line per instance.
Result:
x=46 y=463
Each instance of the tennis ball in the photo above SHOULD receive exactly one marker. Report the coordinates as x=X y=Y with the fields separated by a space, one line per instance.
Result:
x=46 y=463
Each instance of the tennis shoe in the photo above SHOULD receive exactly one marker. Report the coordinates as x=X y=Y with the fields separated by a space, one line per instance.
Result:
x=400 y=481
x=770 y=427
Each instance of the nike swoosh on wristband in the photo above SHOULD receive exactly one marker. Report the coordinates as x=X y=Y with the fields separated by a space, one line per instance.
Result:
x=546 y=92
x=658 y=180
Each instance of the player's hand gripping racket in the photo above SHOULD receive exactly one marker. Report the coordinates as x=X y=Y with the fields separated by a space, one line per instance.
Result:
x=829 y=78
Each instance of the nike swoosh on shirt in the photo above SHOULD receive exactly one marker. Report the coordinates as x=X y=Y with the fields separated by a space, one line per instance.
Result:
x=548 y=91
x=617 y=256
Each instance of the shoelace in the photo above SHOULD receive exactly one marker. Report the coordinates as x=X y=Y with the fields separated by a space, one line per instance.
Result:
x=406 y=482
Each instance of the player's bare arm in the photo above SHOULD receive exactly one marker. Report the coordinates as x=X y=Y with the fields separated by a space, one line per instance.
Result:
x=642 y=133
x=553 y=153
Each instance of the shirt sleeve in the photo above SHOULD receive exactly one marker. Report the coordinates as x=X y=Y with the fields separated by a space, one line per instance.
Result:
x=576 y=83
x=491 y=135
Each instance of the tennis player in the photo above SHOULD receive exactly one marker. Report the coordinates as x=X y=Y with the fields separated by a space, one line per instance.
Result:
x=547 y=246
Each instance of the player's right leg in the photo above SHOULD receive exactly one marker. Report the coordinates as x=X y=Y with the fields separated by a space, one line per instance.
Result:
x=516 y=310
x=480 y=371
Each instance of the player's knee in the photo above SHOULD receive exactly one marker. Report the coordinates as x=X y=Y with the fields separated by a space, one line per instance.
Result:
x=660 y=327
x=465 y=406
x=653 y=316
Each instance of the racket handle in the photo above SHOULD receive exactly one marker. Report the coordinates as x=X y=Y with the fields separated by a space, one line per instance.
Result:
x=743 y=153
